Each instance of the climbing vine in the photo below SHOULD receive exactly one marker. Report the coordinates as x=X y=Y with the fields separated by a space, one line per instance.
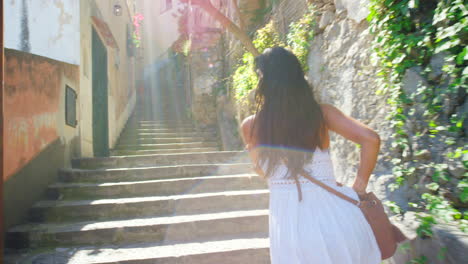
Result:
x=245 y=78
x=409 y=36
x=298 y=39
x=300 y=36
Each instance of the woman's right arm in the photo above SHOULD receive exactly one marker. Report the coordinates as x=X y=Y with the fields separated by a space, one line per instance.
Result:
x=357 y=132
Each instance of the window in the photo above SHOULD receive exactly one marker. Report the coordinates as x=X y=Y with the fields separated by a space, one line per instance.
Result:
x=70 y=106
x=165 y=5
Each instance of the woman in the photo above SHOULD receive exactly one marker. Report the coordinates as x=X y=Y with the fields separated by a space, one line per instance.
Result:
x=288 y=134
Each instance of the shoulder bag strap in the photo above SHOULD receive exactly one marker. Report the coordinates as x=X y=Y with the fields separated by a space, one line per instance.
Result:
x=328 y=188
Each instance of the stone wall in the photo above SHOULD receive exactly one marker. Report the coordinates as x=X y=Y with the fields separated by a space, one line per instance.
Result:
x=206 y=71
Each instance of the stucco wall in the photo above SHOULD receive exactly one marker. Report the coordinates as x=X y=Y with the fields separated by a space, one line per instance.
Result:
x=160 y=29
x=121 y=70
x=54 y=35
x=86 y=77
x=34 y=109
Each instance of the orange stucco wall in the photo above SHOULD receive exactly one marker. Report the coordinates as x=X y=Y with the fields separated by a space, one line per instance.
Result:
x=33 y=89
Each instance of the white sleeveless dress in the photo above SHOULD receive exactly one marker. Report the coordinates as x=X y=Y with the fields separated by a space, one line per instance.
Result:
x=322 y=228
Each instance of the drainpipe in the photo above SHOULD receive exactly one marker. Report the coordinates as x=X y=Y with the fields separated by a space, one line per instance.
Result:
x=1 y=135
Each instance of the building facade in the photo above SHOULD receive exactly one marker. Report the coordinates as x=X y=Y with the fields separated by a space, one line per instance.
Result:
x=69 y=89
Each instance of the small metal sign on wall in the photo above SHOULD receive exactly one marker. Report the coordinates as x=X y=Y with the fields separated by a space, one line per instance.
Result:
x=70 y=106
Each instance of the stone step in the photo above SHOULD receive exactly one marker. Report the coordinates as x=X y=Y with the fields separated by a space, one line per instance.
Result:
x=192 y=185
x=152 y=173
x=120 y=208
x=161 y=151
x=167 y=146
x=159 y=125
x=146 y=129
x=252 y=250
x=136 y=119
x=131 y=136
x=180 y=228
x=163 y=140
x=159 y=130
x=162 y=159
x=159 y=122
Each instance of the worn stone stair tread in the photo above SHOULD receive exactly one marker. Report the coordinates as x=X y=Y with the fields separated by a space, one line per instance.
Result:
x=150 y=123
x=164 y=140
x=112 y=184
x=69 y=170
x=133 y=136
x=168 y=136
x=173 y=253
x=149 y=221
x=153 y=173
x=158 y=127
x=161 y=130
x=71 y=203
x=166 y=145
x=163 y=146
x=137 y=169
x=173 y=134
x=105 y=208
x=169 y=156
x=178 y=138
x=163 y=151
x=155 y=187
x=160 y=159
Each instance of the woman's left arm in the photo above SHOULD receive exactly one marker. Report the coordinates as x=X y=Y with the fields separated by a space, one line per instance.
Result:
x=246 y=128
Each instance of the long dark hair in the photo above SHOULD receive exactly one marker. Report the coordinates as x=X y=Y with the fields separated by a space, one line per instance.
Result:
x=289 y=123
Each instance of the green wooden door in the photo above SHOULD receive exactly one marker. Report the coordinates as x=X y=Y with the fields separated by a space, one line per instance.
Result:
x=100 y=97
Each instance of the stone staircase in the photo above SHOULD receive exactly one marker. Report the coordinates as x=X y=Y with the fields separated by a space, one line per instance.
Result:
x=166 y=195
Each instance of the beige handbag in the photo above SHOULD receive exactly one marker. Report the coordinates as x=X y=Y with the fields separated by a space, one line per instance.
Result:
x=386 y=234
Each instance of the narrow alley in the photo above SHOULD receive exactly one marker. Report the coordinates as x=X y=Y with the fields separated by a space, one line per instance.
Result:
x=132 y=131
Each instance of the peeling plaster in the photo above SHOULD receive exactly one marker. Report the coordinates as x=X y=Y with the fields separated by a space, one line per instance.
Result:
x=64 y=18
x=49 y=28
x=33 y=106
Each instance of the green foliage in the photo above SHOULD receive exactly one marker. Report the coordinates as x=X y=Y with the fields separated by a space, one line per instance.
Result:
x=408 y=33
x=186 y=47
x=300 y=34
x=424 y=229
x=244 y=78
x=419 y=260
x=442 y=253
x=393 y=207
x=267 y=37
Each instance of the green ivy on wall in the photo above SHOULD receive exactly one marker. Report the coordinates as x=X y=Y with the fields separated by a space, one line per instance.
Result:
x=408 y=35
x=298 y=39
x=245 y=78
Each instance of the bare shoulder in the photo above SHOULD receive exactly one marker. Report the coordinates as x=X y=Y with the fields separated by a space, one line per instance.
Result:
x=248 y=120
x=246 y=127
x=332 y=114
x=329 y=110
x=346 y=125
